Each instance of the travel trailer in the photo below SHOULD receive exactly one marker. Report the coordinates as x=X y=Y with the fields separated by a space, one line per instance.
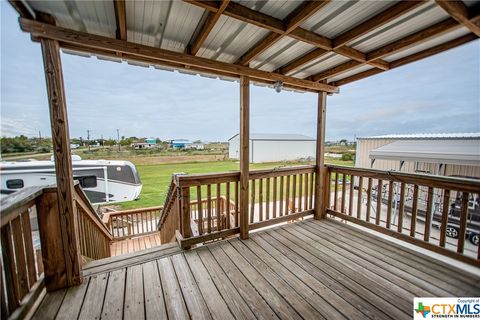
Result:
x=103 y=181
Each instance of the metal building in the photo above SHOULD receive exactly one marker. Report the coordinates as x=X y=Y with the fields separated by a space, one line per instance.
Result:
x=451 y=154
x=274 y=147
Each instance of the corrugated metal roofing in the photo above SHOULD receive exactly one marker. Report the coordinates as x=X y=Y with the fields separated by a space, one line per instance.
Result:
x=426 y=136
x=460 y=152
x=277 y=137
x=172 y=25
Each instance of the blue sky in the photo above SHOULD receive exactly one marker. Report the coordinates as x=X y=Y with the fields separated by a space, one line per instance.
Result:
x=439 y=94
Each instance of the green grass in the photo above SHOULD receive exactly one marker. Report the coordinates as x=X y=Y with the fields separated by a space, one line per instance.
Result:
x=156 y=177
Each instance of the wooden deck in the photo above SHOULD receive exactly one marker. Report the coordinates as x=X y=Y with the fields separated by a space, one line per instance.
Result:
x=310 y=269
x=135 y=244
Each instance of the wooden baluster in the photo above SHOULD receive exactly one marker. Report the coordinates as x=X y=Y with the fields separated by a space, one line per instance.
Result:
x=236 y=204
x=260 y=199
x=445 y=213
x=389 y=207
x=401 y=208
x=335 y=190
x=9 y=268
x=294 y=194
x=428 y=215
x=369 y=199
x=227 y=206
x=274 y=213
x=327 y=188
x=281 y=197
x=413 y=218
x=209 y=208
x=20 y=261
x=252 y=201
x=305 y=197
x=29 y=252
x=199 y=209
x=344 y=187
x=300 y=185
x=287 y=196
x=359 y=197
x=350 y=197
x=378 y=211
x=463 y=222
x=267 y=200
x=218 y=207
x=312 y=189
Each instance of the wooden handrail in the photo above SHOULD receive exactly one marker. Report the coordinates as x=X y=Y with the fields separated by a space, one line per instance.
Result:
x=15 y=204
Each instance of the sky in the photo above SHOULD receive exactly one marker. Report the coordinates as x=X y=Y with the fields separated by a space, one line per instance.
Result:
x=437 y=94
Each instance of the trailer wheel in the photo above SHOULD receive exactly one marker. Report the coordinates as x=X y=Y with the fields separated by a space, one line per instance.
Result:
x=474 y=238
x=452 y=232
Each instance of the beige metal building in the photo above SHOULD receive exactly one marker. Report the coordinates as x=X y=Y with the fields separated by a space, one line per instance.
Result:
x=442 y=154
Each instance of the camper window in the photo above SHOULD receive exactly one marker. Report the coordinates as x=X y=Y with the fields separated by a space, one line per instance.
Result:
x=87 y=181
x=15 y=184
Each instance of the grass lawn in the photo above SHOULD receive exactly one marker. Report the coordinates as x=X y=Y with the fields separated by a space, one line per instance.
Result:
x=156 y=177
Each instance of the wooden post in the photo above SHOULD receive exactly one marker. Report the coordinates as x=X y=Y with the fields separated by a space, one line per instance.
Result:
x=244 y=154
x=186 y=229
x=320 y=171
x=63 y=164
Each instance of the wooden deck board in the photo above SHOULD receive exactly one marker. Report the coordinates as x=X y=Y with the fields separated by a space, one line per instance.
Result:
x=310 y=269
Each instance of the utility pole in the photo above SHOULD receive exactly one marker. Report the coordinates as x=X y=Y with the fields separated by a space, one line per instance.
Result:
x=88 y=139
x=118 y=139
x=103 y=143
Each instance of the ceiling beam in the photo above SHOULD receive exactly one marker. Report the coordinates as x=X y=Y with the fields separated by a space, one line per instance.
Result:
x=295 y=64
x=344 y=67
x=86 y=41
x=207 y=27
x=363 y=28
x=459 y=11
x=121 y=19
x=22 y=9
x=262 y=20
x=304 y=11
x=411 y=58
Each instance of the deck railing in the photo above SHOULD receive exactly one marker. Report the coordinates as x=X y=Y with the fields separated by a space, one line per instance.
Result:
x=437 y=213
x=276 y=196
x=132 y=223
x=22 y=275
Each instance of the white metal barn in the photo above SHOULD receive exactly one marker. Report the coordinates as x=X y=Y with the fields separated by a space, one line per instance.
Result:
x=274 y=147
x=452 y=154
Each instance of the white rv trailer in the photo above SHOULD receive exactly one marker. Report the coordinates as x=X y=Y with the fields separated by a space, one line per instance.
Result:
x=103 y=181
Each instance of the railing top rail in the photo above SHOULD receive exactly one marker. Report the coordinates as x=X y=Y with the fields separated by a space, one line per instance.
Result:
x=190 y=180
x=19 y=200
x=450 y=183
x=130 y=211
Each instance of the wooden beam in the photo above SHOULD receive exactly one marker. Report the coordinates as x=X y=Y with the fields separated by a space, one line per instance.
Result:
x=63 y=161
x=207 y=27
x=304 y=11
x=459 y=11
x=244 y=154
x=297 y=63
x=375 y=22
x=421 y=36
x=22 y=9
x=121 y=19
x=411 y=58
x=344 y=67
x=320 y=204
x=86 y=40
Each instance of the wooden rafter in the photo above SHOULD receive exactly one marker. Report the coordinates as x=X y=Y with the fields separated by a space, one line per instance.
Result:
x=207 y=27
x=87 y=41
x=363 y=28
x=411 y=58
x=262 y=20
x=459 y=11
x=344 y=67
x=304 y=11
x=121 y=19
x=312 y=55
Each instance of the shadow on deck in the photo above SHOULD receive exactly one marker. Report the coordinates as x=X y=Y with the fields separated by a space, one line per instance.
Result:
x=311 y=269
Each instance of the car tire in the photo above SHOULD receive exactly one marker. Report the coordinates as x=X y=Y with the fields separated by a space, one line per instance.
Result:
x=452 y=232
x=474 y=238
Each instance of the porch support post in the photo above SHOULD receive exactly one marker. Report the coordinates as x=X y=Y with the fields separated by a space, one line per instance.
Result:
x=320 y=170
x=244 y=154
x=63 y=163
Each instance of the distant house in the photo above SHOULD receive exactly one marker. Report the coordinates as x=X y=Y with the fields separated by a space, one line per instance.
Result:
x=447 y=154
x=179 y=143
x=274 y=147
x=151 y=141
x=195 y=146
